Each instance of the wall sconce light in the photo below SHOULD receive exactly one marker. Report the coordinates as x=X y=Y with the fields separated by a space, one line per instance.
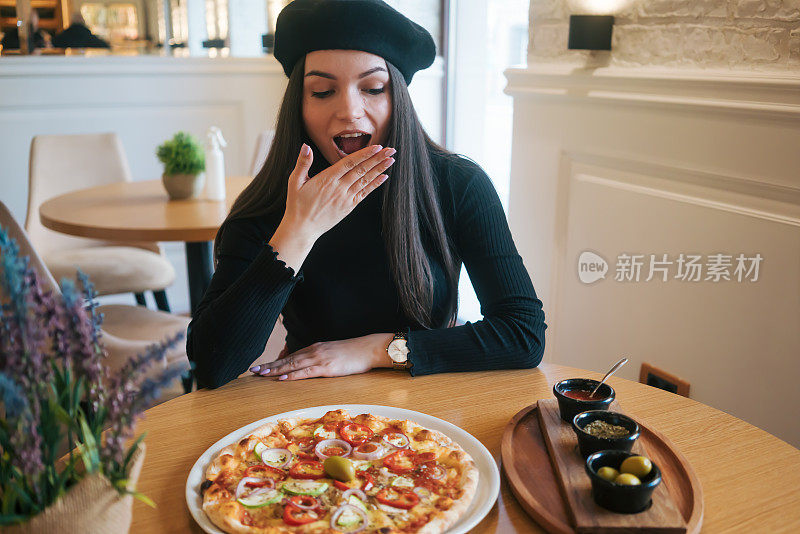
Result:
x=591 y=29
x=590 y=32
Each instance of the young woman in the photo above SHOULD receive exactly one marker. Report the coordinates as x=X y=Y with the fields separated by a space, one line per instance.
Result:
x=358 y=223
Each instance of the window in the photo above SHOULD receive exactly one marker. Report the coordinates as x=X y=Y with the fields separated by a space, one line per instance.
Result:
x=217 y=20
x=113 y=22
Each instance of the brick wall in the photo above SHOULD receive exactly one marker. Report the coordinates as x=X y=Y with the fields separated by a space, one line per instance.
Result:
x=726 y=34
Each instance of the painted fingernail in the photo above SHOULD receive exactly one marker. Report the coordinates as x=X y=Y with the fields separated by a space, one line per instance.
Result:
x=377 y=148
x=383 y=177
x=389 y=161
x=306 y=150
x=264 y=372
x=391 y=152
x=255 y=369
x=283 y=377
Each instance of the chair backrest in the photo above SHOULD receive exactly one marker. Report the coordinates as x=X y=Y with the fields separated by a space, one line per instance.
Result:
x=63 y=163
x=16 y=232
x=263 y=144
x=118 y=349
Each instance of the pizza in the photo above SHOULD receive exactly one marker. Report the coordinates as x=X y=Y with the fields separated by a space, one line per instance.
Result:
x=339 y=473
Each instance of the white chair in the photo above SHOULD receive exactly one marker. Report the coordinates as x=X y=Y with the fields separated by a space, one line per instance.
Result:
x=128 y=324
x=263 y=144
x=63 y=163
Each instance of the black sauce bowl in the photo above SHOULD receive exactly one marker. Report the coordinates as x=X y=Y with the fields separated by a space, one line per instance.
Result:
x=569 y=407
x=589 y=444
x=616 y=497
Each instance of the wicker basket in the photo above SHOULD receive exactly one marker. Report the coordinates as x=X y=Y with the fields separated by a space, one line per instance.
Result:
x=93 y=505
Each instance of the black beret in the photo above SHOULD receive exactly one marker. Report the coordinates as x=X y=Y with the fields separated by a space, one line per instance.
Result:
x=368 y=25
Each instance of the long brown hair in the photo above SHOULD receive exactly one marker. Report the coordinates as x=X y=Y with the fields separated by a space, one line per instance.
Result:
x=412 y=221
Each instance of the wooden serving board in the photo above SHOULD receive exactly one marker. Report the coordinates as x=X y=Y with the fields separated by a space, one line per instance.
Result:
x=534 y=479
x=586 y=515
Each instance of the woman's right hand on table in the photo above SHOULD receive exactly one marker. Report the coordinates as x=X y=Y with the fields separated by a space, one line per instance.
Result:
x=316 y=204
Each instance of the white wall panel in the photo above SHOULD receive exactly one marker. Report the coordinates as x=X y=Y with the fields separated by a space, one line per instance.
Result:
x=659 y=162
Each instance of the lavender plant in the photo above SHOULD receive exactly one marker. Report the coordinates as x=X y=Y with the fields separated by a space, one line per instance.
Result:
x=56 y=394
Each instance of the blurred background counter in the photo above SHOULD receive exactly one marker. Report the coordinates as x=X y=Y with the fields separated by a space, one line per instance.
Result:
x=209 y=28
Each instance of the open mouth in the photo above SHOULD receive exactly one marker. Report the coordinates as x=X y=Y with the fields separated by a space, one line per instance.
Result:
x=349 y=143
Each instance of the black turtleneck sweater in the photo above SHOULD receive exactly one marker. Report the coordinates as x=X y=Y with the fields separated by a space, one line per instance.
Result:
x=345 y=289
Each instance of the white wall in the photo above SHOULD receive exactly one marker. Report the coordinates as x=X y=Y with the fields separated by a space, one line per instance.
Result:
x=146 y=99
x=654 y=161
x=248 y=21
x=681 y=139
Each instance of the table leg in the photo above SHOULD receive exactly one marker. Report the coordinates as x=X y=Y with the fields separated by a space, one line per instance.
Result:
x=199 y=268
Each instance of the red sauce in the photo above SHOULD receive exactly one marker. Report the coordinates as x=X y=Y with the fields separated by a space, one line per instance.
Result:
x=581 y=394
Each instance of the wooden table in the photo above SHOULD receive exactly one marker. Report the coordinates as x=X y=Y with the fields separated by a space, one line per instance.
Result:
x=750 y=478
x=141 y=211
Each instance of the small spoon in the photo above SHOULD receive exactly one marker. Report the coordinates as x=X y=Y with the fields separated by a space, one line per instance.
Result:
x=613 y=370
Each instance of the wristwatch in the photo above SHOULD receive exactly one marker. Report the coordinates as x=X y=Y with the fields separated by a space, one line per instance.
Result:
x=398 y=351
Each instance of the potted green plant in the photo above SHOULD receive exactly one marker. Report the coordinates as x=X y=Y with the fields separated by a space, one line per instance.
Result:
x=68 y=463
x=184 y=162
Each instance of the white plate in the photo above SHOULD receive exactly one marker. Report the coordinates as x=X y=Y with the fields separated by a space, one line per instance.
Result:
x=488 y=482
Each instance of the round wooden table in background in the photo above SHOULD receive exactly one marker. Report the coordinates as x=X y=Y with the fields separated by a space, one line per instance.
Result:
x=750 y=478
x=142 y=211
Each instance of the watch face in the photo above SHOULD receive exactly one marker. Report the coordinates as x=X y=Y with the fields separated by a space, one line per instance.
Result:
x=398 y=350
